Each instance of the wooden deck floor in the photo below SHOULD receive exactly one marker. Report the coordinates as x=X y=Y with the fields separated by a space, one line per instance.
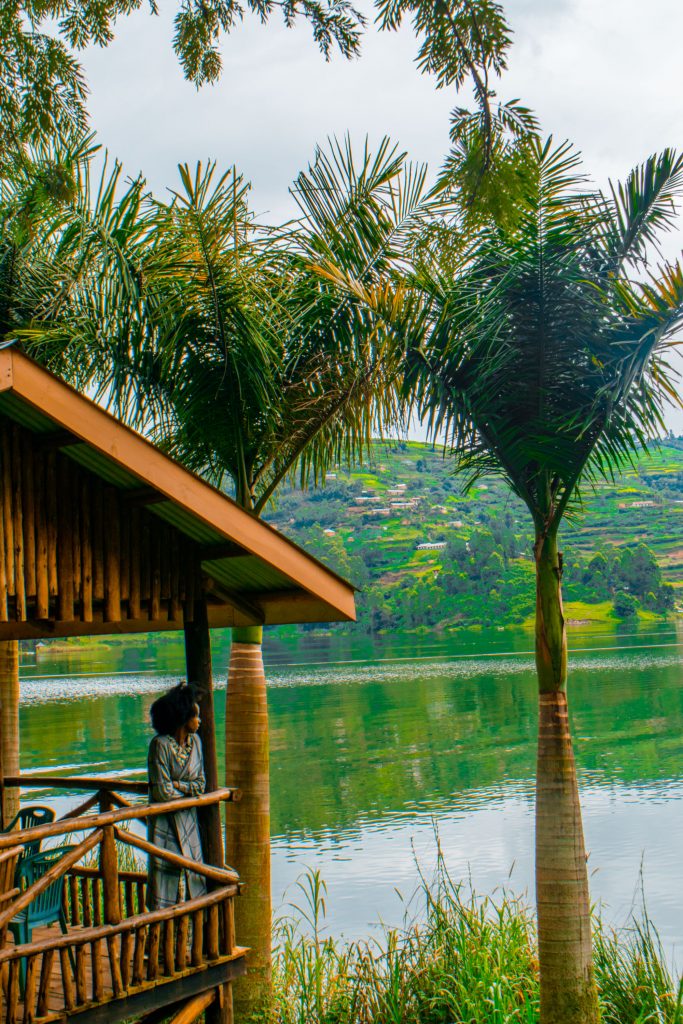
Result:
x=159 y=991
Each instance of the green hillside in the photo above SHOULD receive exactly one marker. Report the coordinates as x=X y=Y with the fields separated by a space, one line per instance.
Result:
x=426 y=555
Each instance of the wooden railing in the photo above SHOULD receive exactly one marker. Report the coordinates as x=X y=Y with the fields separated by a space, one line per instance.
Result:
x=114 y=947
x=95 y=965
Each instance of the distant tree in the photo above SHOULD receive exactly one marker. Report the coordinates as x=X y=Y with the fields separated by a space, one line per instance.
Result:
x=625 y=605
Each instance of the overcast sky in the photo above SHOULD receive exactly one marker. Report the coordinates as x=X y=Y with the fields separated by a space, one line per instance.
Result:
x=603 y=73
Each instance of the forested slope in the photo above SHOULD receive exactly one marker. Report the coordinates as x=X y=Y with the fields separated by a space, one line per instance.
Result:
x=427 y=555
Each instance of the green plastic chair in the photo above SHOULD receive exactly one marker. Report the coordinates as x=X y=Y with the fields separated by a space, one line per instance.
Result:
x=31 y=817
x=47 y=908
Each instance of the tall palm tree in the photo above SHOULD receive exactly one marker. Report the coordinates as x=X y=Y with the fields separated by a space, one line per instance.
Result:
x=542 y=354
x=243 y=352
x=304 y=381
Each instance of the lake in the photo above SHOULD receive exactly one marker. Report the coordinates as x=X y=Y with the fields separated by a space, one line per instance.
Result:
x=376 y=744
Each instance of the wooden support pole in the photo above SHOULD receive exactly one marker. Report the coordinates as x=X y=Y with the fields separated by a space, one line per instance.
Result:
x=9 y=719
x=198 y=666
x=109 y=866
x=199 y=672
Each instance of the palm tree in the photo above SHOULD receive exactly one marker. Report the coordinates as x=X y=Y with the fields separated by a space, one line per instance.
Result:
x=543 y=358
x=247 y=354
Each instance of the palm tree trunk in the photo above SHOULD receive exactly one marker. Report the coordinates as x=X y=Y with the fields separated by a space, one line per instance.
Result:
x=247 y=834
x=568 y=991
x=9 y=702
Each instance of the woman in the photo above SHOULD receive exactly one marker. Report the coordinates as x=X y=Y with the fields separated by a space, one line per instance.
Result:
x=176 y=770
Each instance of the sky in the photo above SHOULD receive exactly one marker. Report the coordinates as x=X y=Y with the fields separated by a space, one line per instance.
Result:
x=603 y=73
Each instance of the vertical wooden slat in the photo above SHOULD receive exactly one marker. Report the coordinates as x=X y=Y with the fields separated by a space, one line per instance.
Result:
x=75 y=905
x=145 y=561
x=65 y=551
x=32 y=976
x=4 y=614
x=212 y=934
x=85 y=899
x=139 y=955
x=169 y=947
x=174 y=608
x=124 y=571
x=13 y=992
x=114 y=950
x=7 y=517
x=81 y=974
x=155 y=581
x=229 y=927
x=97 y=542
x=153 y=952
x=112 y=556
x=197 y=937
x=165 y=564
x=42 y=575
x=97 y=968
x=126 y=957
x=75 y=499
x=190 y=582
x=67 y=980
x=140 y=891
x=181 y=946
x=130 y=902
x=18 y=517
x=97 y=900
x=45 y=975
x=51 y=487
x=29 y=511
x=86 y=552
x=134 y=596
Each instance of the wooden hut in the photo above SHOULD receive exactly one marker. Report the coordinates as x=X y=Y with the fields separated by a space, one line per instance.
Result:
x=102 y=533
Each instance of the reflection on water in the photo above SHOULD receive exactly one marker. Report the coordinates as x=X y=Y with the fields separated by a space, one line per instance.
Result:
x=374 y=744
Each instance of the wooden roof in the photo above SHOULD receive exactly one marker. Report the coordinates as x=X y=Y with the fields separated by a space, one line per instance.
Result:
x=103 y=533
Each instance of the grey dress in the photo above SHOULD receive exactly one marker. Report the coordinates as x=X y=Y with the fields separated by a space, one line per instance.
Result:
x=172 y=777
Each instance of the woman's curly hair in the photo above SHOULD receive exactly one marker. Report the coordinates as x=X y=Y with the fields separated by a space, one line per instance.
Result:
x=171 y=711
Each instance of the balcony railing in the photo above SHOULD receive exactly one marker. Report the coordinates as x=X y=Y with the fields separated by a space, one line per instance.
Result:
x=116 y=953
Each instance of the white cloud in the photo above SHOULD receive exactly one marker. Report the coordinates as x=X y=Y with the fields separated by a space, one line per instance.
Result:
x=601 y=74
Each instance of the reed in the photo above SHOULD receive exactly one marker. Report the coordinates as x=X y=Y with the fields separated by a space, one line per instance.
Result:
x=460 y=959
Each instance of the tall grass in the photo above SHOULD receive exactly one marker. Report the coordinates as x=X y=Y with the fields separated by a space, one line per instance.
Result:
x=469 y=960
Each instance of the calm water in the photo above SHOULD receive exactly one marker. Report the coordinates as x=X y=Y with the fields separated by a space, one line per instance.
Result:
x=374 y=744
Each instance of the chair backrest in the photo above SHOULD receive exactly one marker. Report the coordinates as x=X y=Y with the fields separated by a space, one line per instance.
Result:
x=32 y=816
x=46 y=907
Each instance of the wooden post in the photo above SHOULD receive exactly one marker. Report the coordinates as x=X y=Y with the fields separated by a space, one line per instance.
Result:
x=109 y=866
x=9 y=699
x=198 y=663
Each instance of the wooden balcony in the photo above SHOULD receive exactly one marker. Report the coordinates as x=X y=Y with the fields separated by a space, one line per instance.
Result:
x=118 y=960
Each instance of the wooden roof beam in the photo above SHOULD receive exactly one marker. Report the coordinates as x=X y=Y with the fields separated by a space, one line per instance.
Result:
x=240 y=604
